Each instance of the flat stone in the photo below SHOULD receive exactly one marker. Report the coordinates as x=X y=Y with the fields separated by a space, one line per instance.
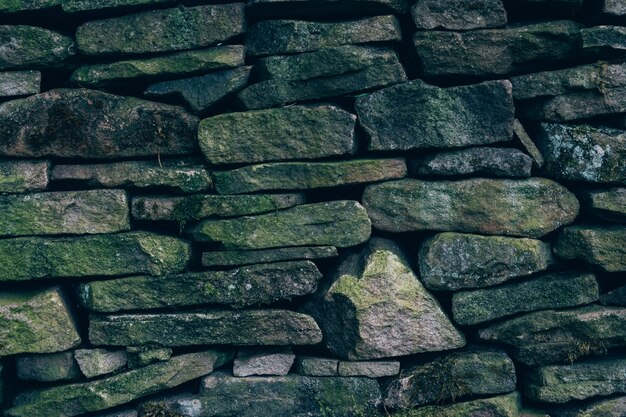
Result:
x=602 y=246
x=273 y=9
x=249 y=257
x=19 y=83
x=608 y=204
x=47 y=367
x=268 y=361
x=468 y=115
x=261 y=284
x=214 y=327
x=31 y=47
x=617 y=297
x=489 y=162
x=201 y=93
x=79 y=123
x=74 y=399
x=80 y=6
x=615 y=8
x=492 y=52
x=527 y=143
x=64 y=212
x=139 y=356
x=612 y=407
x=23 y=176
x=307 y=175
x=532 y=207
x=17 y=6
x=508 y=405
x=175 y=29
x=179 y=64
x=377 y=308
x=577 y=381
x=370 y=369
x=274 y=37
x=311 y=366
x=30 y=258
x=37 y=321
x=295 y=132
x=97 y=362
x=604 y=38
x=458 y=14
x=555 y=290
x=341 y=223
x=552 y=336
x=452 y=377
x=187 y=176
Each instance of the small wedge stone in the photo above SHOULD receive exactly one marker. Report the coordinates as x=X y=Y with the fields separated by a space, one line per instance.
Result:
x=96 y=362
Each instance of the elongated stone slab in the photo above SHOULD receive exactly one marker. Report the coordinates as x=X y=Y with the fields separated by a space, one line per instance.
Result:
x=37 y=321
x=80 y=6
x=609 y=204
x=17 y=6
x=604 y=39
x=19 y=83
x=30 y=258
x=486 y=110
x=47 y=367
x=458 y=14
x=602 y=246
x=31 y=47
x=338 y=223
x=303 y=9
x=247 y=257
x=509 y=405
x=23 y=176
x=531 y=208
x=370 y=369
x=211 y=327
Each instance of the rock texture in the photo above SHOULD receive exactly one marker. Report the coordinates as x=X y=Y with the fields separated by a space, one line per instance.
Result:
x=33 y=47
x=47 y=367
x=24 y=176
x=601 y=246
x=458 y=14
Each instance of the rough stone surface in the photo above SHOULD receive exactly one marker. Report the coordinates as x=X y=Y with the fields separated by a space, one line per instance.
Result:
x=96 y=362
x=340 y=223
x=312 y=8
x=269 y=361
x=527 y=143
x=17 y=6
x=502 y=406
x=139 y=356
x=614 y=8
x=532 y=208
x=612 y=407
x=433 y=117
x=81 y=6
x=37 y=321
x=47 y=367
x=373 y=369
x=611 y=38
x=609 y=204
x=31 y=47
x=23 y=176
x=311 y=366
x=602 y=246
x=249 y=257
x=458 y=14
x=19 y=83
x=79 y=123
x=617 y=297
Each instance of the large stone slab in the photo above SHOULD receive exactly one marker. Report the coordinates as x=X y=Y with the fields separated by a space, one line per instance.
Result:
x=80 y=123
x=64 y=212
x=19 y=83
x=37 y=321
x=272 y=9
x=210 y=327
x=433 y=117
x=295 y=132
x=23 y=176
x=175 y=29
x=612 y=407
x=338 y=223
x=47 y=367
x=531 y=208
x=604 y=39
x=608 y=204
x=248 y=257
x=30 y=258
x=458 y=14
x=79 y=398
x=602 y=246
x=31 y=47
x=17 y=6
x=509 y=405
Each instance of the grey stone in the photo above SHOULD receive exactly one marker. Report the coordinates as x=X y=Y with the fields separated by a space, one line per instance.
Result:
x=527 y=143
x=615 y=8
x=139 y=356
x=97 y=362
x=30 y=47
x=608 y=204
x=268 y=361
x=311 y=366
x=273 y=9
x=19 y=83
x=371 y=369
x=249 y=257
x=458 y=14
x=18 y=6
x=612 y=407
x=23 y=176
x=604 y=38
x=617 y=297
x=81 y=6
x=47 y=367
x=508 y=405
x=602 y=246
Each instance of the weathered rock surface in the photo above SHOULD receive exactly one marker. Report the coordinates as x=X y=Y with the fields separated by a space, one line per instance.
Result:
x=214 y=327
x=533 y=207
x=614 y=8
x=19 y=83
x=269 y=361
x=370 y=369
x=458 y=14
x=376 y=308
x=612 y=407
x=38 y=321
x=249 y=257
x=23 y=176
x=80 y=6
x=307 y=175
x=79 y=123
x=502 y=406
x=139 y=356
x=604 y=38
x=609 y=204
x=527 y=143
x=433 y=117
x=307 y=8
x=340 y=223
x=602 y=246
x=47 y=367
x=552 y=336
x=16 y=6
x=311 y=366
x=96 y=362
x=30 y=258
x=295 y=132
x=31 y=47
x=617 y=297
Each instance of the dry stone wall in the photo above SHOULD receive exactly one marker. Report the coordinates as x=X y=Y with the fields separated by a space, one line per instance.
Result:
x=326 y=208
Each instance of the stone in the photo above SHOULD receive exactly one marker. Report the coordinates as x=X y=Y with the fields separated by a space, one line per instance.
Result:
x=294 y=132
x=373 y=369
x=23 y=176
x=201 y=327
x=33 y=258
x=493 y=52
x=30 y=47
x=527 y=143
x=615 y=8
x=341 y=223
x=119 y=413
x=201 y=93
x=310 y=366
x=17 y=6
x=129 y=72
x=484 y=162
x=608 y=204
x=617 y=297
x=583 y=153
x=97 y=362
x=433 y=117
x=612 y=407
x=552 y=336
x=268 y=361
x=80 y=123
x=249 y=257
x=532 y=207
x=186 y=176
x=450 y=378
x=555 y=290
x=508 y=405
x=274 y=37
x=199 y=206
x=19 y=83
x=273 y=9
x=175 y=29
x=37 y=321
x=47 y=367
x=307 y=175
x=604 y=38
x=577 y=381
x=377 y=308
x=84 y=397
x=602 y=246
x=261 y=284
x=64 y=212
x=139 y=356
x=82 y=6
x=458 y=14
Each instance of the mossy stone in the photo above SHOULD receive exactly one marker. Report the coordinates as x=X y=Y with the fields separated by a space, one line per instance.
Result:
x=23 y=176
x=306 y=9
x=608 y=204
x=18 y=6
x=139 y=356
x=248 y=257
x=81 y=6
x=30 y=47
x=602 y=246
x=508 y=405
x=611 y=407
x=47 y=367
x=458 y=14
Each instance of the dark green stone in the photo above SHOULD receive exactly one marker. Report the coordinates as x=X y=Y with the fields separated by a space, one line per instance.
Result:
x=20 y=176
x=248 y=257
x=602 y=246
x=31 y=47
x=608 y=204
x=458 y=14
x=79 y=6
x=503 y=406
x=47 y=367
x=17 y=6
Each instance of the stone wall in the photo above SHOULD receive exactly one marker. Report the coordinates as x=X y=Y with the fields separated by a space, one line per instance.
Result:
x=312 y=208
